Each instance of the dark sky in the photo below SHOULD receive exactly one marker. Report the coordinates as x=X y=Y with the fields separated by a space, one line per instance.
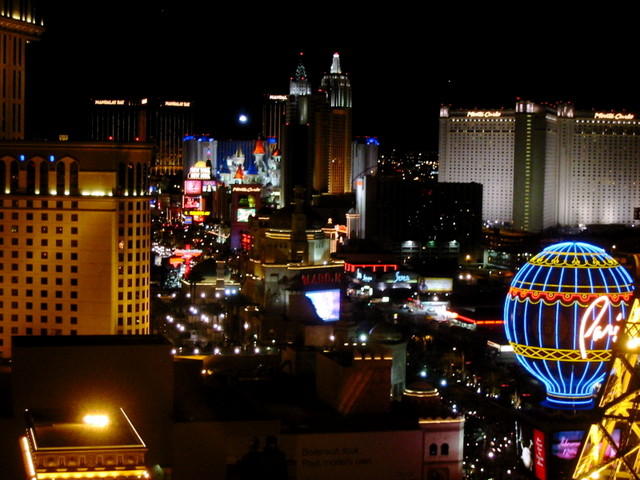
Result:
x=403 y=65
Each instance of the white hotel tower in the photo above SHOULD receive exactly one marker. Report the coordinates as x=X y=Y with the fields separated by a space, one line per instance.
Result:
x=544 y=166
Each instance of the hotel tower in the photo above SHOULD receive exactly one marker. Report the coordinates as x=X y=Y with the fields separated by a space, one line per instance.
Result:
x=336 y=174
x=545 y=166
x=18 y=26
x=317 y=137
x=74 y=239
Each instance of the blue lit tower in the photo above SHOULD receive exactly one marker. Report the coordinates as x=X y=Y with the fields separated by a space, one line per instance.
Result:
x=18 y=26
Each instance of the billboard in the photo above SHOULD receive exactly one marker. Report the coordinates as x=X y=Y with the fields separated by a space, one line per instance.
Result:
x=566 y=445
x=435 y=284
x=372 y=455
x=243 y=214
x=326 y=303
x=539 y=457
x=192 y=187
x=191 y=202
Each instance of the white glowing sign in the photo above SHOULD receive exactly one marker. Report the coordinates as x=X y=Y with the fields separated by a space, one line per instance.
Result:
x=595 y=331
x=278 y=97
x=170 y=103
x=365 y=277
x=199 y=173
x=483 y=114
x=401 y=278
x=109 y=102
x=614 y=116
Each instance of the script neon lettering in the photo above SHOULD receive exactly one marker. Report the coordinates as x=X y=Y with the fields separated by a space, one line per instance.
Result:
x=595 y=331
x=484 y=114
x=246 y=189
x=615 y=116
x=401 y=278
x=363 y=276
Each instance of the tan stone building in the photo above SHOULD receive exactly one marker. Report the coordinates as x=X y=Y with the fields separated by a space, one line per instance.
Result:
x=74 y=239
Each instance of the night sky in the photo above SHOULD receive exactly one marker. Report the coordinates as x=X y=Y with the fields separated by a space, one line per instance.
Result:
x=402 y=65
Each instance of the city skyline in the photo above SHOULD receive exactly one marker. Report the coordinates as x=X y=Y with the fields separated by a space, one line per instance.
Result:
x=400 y=74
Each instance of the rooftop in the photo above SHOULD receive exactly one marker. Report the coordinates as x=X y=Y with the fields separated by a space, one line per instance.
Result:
x=62 y=429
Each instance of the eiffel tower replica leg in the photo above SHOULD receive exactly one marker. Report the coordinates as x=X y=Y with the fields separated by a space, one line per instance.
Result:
x=612 y=445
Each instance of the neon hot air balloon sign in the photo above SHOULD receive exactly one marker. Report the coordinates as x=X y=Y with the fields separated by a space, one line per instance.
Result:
x=563 y=313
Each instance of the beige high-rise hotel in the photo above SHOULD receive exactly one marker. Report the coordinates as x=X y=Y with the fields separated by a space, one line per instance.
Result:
x=74 y=239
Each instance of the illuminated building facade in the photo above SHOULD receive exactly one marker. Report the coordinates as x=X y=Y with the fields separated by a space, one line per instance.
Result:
x=543 y=166
x=480 y=149
x=163 y=123
x=337 y=87
x=64 y=444
x=74 y=251
x=18 y=27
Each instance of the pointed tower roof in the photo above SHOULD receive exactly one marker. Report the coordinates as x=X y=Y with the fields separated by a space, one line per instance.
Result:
x=252 y=169
x=301 y=72
x=224 y=168
x=299 y=84
x=336 y=85
x=239 y=173
x=259 y=148
x=335 y=64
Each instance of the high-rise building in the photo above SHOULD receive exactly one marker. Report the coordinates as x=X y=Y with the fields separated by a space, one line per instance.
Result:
x=419 y=219
x=297 y=139
x=364 y=158
x=545 y=166
x=161 y=122
x=274 y=112
x=317 y=138
x=18 y=26
x=337 y=87
x=478 y=147
x=75 y=244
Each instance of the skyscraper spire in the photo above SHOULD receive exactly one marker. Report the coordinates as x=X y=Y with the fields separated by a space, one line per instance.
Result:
x=301 y=72
x=335 y=64
x=299 y=84
x=336 y=85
